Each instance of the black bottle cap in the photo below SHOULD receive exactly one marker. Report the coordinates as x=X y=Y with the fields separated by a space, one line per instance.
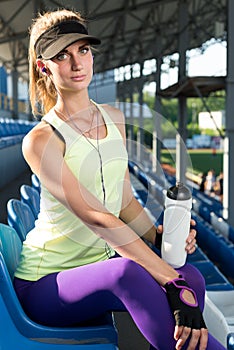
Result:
x=179 y=192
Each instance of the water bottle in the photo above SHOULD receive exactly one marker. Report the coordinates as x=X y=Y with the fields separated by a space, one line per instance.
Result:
x=176 y=224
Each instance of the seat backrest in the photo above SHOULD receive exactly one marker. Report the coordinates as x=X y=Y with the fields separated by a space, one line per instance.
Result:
x=30 y=196
x=20 y=217
x=10 y=247
x=36 y=182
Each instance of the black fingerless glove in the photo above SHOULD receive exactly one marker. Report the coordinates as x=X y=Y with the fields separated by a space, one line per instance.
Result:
x=158 y=240
x=185 y=314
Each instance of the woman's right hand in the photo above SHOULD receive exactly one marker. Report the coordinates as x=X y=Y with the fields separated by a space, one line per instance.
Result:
x=188 y=317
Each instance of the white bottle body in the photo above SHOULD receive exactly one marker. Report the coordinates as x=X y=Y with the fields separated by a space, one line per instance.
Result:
x=176 y=227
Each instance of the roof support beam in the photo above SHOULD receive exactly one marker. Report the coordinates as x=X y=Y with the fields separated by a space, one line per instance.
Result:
x=15 y=93
x=17 y=12
x=228 y=198
x=181 y=153
x=140 y=135
x=158 y=119
x=120 y=12
x=13 y=37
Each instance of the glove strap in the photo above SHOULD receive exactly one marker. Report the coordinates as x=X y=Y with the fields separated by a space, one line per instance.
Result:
x=179 y=284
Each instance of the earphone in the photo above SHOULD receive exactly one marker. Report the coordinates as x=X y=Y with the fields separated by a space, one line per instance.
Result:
x=44 y=70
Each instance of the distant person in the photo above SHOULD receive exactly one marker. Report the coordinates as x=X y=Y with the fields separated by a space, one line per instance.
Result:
x=210 y=182
x=203 y=182
x=219 y=186
x=85 y=255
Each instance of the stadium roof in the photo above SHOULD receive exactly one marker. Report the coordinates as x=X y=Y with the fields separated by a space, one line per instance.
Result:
x=194 y=87
x=131 y=31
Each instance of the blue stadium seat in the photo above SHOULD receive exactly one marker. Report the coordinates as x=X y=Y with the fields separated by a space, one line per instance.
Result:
x=198 y=255
x=20 y=217
x=18 y=331
x=231 y=234
x=214 y=279
x=230 y=341
x=205 y=213
x=218 y=248
x=36 y=182
x=31 y=197
x=12 y=131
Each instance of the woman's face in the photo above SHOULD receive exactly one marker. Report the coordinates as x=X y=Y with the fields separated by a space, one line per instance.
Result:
x=72 y=69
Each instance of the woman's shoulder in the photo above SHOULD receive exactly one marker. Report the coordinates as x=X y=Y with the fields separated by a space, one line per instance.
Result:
x=41 y=141
x=36 y=139
x=42 y=130
x=114 y=113
x=39 y=132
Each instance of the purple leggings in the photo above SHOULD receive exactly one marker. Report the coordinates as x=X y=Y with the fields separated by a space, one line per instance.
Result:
x=69 y=297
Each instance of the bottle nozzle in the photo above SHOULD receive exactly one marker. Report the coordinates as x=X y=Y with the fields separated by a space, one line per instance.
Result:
x=179 y=192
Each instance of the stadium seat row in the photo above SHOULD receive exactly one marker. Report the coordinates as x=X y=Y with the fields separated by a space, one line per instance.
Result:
x=12 y=131
x=10 y=127
x=216 y=221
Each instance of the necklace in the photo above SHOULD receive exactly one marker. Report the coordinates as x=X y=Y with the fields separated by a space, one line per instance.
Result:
x=97 y=148
x=83 y=132
x=88 y=132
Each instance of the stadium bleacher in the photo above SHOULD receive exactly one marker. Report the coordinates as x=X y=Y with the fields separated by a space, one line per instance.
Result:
x=12 y=163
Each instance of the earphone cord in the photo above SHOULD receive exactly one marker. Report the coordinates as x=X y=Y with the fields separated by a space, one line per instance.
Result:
x=96 y=148
x=101 y=164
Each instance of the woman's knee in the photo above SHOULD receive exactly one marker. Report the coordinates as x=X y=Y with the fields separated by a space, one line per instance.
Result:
x=196 y=281
x=191 y=273
x=130 y=273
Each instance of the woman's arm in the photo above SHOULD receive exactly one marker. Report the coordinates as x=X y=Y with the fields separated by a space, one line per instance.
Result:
x=43 y=151
x=135 y=216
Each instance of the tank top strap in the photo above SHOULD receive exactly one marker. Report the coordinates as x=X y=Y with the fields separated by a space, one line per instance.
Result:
x=61 y=127
x=113 y=130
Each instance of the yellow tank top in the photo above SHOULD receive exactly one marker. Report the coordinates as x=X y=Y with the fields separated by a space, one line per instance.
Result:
x=60 y=240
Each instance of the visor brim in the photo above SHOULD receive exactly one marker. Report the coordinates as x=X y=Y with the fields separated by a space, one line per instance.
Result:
x=63 y=41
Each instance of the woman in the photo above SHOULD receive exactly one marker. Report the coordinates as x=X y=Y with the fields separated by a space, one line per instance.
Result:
x=88 y=213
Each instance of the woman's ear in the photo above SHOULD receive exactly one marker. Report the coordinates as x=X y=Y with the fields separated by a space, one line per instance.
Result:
x=42 y=67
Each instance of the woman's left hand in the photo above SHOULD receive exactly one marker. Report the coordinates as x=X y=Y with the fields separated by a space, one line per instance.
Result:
x=191 y=239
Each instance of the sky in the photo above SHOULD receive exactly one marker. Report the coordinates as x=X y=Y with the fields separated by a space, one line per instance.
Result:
x=212 y=62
